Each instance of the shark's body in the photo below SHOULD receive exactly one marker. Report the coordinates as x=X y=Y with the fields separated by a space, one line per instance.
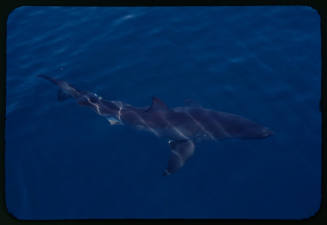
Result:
x=180 y=125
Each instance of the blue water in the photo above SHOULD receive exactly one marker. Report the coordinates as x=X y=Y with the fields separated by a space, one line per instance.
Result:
x=63 y=161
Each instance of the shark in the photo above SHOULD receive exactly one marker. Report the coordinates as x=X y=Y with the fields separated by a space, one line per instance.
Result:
x=182 y=126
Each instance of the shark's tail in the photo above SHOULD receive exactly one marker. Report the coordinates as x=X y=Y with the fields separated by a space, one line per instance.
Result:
x=52 y=80
x=65 y=89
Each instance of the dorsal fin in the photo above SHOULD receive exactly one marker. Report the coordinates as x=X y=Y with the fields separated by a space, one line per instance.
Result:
x=157 y=104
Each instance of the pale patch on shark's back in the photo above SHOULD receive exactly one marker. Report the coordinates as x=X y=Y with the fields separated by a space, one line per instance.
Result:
x=114 y=121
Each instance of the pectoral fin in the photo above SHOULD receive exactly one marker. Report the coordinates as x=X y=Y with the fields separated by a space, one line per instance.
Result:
x=180 y=152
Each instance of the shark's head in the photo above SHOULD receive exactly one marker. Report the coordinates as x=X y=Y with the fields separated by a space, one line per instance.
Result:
x=258 y=132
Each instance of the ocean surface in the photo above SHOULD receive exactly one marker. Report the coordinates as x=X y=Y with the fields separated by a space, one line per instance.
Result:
x=63 y=161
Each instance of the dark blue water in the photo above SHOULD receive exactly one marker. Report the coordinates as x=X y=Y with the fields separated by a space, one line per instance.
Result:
x=63 y=161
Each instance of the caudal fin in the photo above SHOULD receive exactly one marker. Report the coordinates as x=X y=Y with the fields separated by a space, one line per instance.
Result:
x=52 y=80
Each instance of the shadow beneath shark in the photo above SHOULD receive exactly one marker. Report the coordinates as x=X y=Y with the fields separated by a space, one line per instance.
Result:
x=182 y=126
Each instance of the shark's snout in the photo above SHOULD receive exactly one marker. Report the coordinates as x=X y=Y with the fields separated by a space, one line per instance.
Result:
x=266 y=132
